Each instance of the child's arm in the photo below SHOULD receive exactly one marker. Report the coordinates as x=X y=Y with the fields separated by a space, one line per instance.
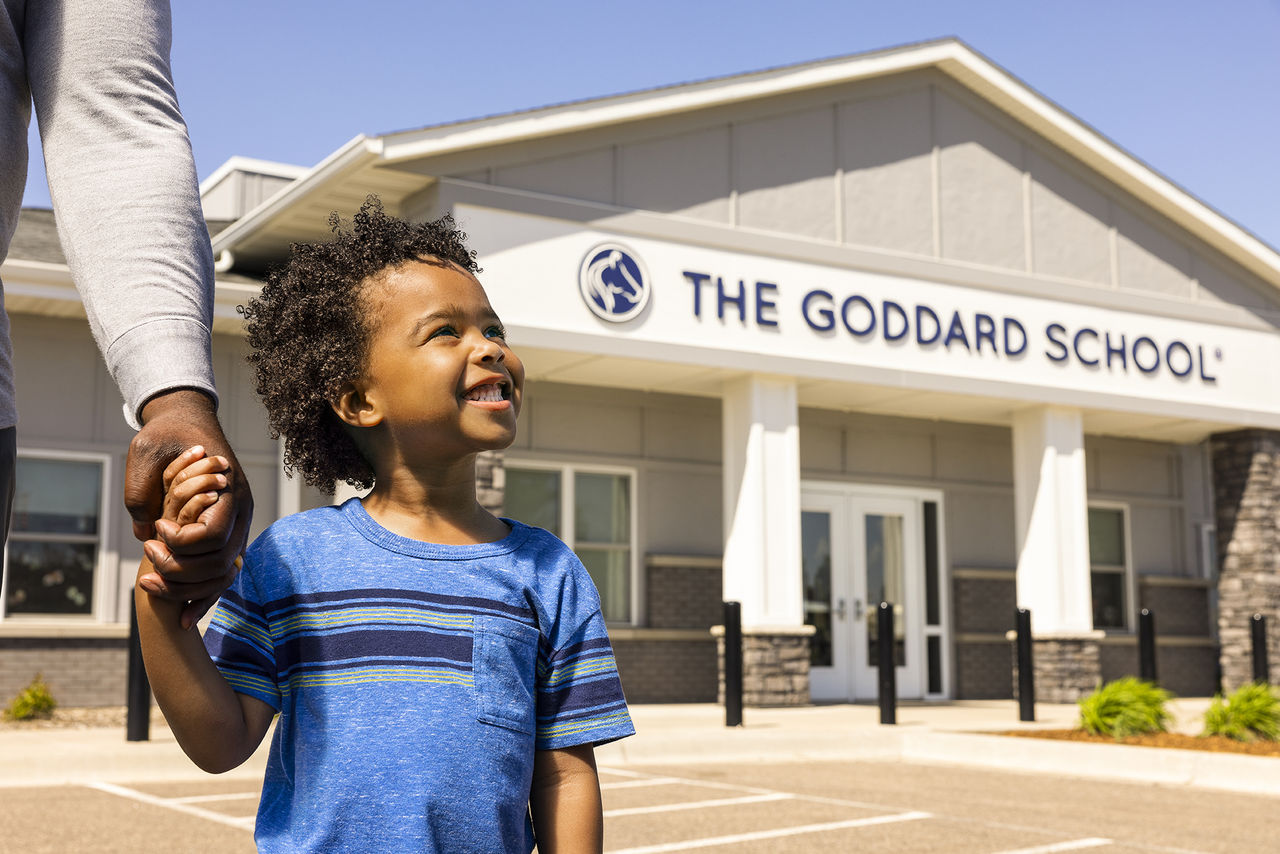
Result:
x=216 y=727
x=568 y=817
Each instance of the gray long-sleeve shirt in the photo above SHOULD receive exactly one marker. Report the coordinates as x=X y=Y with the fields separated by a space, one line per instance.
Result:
x=123 y=184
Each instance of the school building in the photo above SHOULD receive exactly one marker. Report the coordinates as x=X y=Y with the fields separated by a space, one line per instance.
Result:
x=889 y=327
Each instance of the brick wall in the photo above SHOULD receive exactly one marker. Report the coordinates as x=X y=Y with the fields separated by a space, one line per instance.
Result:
x=1186 y=669
x=79 y=671
x=983 y=671
x=1178 y=610
x=667 y=671
x=683 y=596
x=984 y=604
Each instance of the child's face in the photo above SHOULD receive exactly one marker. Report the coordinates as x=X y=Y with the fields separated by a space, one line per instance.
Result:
x=439 y=370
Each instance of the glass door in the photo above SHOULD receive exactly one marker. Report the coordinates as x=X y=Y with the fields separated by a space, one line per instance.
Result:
x=860 y=549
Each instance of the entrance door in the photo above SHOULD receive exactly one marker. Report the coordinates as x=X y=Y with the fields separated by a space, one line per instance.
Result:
x=861 y=548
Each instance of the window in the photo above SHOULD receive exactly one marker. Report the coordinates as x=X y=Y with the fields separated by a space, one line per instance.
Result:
x=592 y=510
x=1109 y=567
x=51 y=559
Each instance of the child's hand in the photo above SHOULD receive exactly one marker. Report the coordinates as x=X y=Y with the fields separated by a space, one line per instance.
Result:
x=191 y=485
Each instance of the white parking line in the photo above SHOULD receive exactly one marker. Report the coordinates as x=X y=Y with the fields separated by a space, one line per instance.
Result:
x=204 y=799
x=697 y=805
x=711 y=842
x=1073 y=845
x=633 y=784
x=245 y=823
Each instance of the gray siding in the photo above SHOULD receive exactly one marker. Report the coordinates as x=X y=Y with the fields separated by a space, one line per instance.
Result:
x=672 y=441
x=917 y=165
x=68 y=402
x=1160 y=484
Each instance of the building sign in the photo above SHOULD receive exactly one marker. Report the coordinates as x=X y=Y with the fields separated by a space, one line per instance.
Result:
x=613 y=283
x=578 y=289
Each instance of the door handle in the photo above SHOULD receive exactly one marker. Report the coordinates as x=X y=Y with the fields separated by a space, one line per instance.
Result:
x=840 y=608
x=857 y=609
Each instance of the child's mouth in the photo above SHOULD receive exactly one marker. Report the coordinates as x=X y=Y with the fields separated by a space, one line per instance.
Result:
x=491 y=393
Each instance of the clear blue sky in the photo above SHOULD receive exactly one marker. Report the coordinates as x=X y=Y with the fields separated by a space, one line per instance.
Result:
x=1190 y=87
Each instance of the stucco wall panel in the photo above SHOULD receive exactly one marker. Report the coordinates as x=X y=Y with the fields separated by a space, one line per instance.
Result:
x=885 y=152
x=783 y=169
x=902 y=454
x=682 y=512
x=690 y=433
x=1148 y=259
x=980 y=187
x=1157 y=546
x=57 y=373
x=585 y=426
x=583 y=175
x=686 y=174
x=1070 y=231
x=979 y=528
x=980 y=459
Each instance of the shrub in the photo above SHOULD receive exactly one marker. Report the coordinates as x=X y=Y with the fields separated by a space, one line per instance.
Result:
x=1251 y=712
x=33 y=701
x=1124 y=707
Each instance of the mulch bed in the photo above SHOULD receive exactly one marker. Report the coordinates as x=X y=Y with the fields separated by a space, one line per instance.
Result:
x=1214 y=743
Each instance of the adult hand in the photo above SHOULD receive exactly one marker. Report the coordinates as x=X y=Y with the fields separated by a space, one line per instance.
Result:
x=193 y=563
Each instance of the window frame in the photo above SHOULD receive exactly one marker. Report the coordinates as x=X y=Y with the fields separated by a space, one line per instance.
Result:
x=104 y=582
x=1130 y=609
x=567 y=470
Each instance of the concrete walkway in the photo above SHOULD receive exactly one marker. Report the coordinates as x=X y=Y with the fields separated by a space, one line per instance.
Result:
x=939 y=733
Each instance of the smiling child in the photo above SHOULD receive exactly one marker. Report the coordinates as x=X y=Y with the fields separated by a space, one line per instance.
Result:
x=439 y=673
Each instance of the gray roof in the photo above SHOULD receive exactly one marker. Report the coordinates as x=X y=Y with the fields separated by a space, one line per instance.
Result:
x=36 y=239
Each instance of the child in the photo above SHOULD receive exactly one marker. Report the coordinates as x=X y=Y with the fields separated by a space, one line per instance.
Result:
x=439 y=672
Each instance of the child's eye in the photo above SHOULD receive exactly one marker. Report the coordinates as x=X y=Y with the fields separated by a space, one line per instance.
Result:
x=443 y=330
x=496 y=332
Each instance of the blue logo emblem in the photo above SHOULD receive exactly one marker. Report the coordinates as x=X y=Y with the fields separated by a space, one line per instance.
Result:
x=613 y=283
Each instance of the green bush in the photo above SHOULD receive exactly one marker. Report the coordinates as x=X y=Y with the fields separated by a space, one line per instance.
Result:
x=34 y=701
x=1251 y=712
x=1124 y=707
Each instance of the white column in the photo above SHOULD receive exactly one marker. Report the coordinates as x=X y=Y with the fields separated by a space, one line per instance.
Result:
x=1051 y=507
x=762 y=501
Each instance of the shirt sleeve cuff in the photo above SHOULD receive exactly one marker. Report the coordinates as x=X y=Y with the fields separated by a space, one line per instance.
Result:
x=160 y=356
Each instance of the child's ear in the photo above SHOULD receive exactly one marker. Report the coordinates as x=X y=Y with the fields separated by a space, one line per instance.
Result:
x=355 y=407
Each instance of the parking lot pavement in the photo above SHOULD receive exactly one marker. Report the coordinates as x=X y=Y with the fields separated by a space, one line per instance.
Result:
x=771 y=808
x=759 y=808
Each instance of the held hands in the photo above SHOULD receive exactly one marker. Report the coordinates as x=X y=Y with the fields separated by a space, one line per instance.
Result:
x=193 y=514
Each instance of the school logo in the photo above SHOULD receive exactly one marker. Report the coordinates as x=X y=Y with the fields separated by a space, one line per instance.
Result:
x=613 y=283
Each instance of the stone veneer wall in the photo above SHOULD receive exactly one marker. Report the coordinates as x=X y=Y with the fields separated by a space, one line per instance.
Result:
x=79 y=671
x=491 y=481
x=1066 y=668
x=775 y=668
x=1246 y=497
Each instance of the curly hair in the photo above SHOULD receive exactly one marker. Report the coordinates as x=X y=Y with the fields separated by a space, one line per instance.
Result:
x=310 y=330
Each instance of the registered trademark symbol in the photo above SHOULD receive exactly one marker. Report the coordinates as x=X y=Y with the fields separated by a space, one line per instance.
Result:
x=1217 y=354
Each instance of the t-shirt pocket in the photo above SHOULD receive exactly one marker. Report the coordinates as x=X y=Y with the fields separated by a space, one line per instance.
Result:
x=504 y=662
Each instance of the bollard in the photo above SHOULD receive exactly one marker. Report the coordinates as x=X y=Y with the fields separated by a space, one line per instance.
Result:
x=138 y=716
x=733 y=664
x=1147 y=646
x=888 y=666
x=1261 y=672
x=1026 y=673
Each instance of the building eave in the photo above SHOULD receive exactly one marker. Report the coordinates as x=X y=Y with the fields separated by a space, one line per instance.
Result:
x=369 y=164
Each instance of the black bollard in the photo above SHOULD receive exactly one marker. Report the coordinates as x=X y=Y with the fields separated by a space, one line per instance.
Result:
x=1261 y=672
x=733 y=664
x=1147 y=646
x=888 y=666
x=138 y=715
x=1026 y=673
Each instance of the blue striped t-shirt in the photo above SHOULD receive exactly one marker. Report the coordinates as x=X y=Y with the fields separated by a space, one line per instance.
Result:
x=414 y=681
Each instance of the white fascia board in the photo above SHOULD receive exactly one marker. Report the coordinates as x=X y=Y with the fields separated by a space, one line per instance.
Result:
x=356 y=153
x=237 y=163
x=428 y=142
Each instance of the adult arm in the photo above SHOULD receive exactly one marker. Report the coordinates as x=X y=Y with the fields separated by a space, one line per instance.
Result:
x=215 y=726
x=123 y=184
x=568 y=817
